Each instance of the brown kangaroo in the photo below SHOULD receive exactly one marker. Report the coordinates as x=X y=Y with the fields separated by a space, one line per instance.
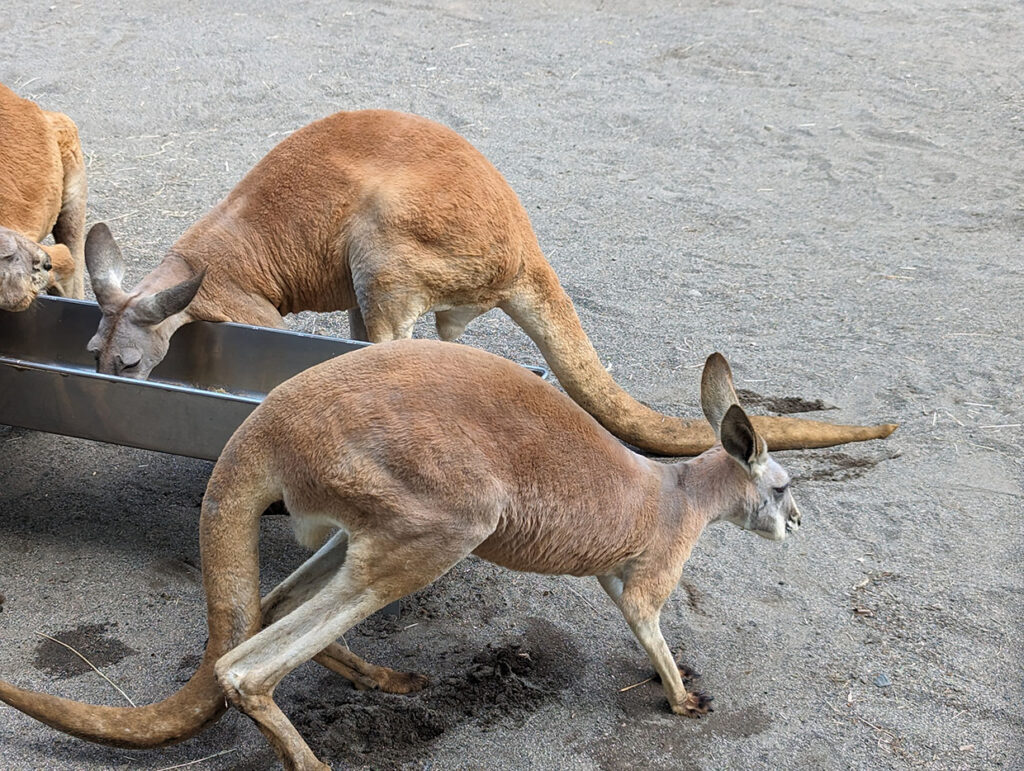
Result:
x=42 y=191
x=477 y=456
x=388 y=216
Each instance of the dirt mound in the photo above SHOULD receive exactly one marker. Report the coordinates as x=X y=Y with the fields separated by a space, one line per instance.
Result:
x=500 y=686
x=782 y=405
x=840 y=467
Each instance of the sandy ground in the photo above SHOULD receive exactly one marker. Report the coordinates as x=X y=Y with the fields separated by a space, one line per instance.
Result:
x=832 y=196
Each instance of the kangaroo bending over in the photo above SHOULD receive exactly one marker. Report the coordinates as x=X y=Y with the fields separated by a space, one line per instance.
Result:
x=42 y=191
x=388 y=216
x=407 y=457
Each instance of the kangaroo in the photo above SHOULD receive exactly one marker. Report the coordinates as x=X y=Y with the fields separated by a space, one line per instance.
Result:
x=402 y=459
x=42 y=191
x=388 y=216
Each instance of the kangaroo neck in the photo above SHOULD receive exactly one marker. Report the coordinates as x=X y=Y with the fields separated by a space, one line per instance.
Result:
x=256 y=269
x=172 y=270
x=708 y=484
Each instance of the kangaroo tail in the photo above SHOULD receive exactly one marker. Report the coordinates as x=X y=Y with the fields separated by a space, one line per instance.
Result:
x=229 y=542
x=542 y=308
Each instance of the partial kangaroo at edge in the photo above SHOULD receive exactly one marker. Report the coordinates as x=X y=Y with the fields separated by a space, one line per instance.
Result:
x=42 y=191
x=530 y=482
x=389 y=216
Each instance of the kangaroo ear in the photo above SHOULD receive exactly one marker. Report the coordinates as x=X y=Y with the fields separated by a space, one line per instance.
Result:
x=154 y=308
x=741 y=441
x=717 y=394
x=106 y=266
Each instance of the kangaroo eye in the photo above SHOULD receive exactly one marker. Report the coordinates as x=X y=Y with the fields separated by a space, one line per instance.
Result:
x=780 y=491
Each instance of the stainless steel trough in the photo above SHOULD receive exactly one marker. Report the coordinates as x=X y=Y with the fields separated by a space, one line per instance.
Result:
x=214 y=375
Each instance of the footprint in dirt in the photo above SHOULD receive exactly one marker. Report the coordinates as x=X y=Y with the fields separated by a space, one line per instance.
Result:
x=501 y=685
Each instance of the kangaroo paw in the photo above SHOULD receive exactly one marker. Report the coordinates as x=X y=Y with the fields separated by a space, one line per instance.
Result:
x=392 y=681
x=366 y=676
x=695 y=704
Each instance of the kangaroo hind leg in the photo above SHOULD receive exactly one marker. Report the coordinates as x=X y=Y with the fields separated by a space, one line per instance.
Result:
x=305 y=582
x=374 y=573
x=69 y=229
x=452 y=323
x=389 y=295
x=356 y=325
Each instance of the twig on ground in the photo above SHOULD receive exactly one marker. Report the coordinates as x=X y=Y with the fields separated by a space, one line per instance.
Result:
x=122 y=216
x=582 y=597
x=635 y=685
x=197 y=761
x=94 y=667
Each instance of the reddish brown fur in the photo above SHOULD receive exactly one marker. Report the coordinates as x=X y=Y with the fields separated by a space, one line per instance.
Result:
x=420 y=453
x=391 y=216
x=395 y=185
x=42 y=191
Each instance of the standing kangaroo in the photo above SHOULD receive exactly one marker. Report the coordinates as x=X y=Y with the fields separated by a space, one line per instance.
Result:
x=42 y=190
x=388 y=216
x=406 y=458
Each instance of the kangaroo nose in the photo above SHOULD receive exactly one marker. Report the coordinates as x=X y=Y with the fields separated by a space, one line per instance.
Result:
x=128 y=358
x=793 y=520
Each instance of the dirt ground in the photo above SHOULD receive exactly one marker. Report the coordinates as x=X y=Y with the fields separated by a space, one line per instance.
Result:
x=830 y=194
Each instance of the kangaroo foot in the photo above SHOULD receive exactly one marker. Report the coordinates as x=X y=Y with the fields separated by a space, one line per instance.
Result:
x=695 y=704
x=366 y=676
x=392 y=681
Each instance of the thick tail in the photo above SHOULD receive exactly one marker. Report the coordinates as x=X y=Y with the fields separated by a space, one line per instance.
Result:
x=542 y=308
x=229 y=531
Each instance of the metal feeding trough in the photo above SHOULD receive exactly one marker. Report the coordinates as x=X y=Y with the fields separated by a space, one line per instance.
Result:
x=214 y=375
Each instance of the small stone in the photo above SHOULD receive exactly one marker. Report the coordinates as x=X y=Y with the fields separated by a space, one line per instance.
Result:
x=883 y=681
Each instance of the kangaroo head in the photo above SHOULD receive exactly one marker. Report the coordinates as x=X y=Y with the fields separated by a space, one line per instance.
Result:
x=136 y=328
x=765 y=506
x=24 y=270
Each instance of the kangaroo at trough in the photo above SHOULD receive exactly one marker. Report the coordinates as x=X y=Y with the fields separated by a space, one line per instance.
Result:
x=42 y=191
x=393 y=497
x=388 y=216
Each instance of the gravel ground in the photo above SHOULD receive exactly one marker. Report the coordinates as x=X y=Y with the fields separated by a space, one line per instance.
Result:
x=832 y=196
